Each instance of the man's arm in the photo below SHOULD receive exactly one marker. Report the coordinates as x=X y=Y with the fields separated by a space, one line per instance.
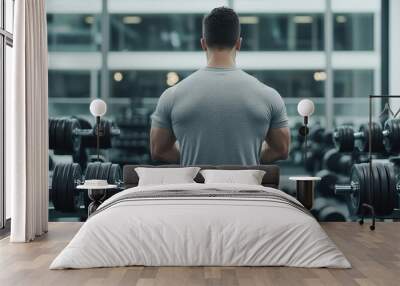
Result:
x=162 y=145
x=276 y=145
x=162 y=138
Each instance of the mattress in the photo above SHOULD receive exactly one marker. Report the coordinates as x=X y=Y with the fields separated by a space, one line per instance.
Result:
x=201 y=225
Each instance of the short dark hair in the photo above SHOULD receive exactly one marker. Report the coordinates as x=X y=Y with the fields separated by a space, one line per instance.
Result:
x=221 y=28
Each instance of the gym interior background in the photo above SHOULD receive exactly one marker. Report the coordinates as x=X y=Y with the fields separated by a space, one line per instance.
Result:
x=128 y=52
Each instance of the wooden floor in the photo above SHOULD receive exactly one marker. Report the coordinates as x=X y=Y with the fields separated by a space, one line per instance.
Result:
x=375 y=257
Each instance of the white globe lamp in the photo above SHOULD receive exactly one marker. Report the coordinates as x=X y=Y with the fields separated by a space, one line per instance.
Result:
x=98 y=108
x=305 y=107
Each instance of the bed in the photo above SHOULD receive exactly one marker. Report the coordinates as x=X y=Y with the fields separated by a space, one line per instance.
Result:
x=199 y=224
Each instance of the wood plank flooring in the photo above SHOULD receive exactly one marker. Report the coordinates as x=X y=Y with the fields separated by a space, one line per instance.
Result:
x=375 y=257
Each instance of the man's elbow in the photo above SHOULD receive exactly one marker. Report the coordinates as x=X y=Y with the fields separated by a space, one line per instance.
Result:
x=156 y=154
x=284 y=152
x=284 y=155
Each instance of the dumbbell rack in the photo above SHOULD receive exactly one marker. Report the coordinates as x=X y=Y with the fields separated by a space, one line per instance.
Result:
x=72 y=136
x=365 y=206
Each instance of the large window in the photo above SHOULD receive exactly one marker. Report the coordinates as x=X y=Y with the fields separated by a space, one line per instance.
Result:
x=65 y=84
x=181 y=32
x=295 y=38
x=129 y=51
x=354 y=32
x=282 y=32
x=351 y=90
x=119 y=73
x=143 y=84
x=353 y=83
x=292 y=83
x=298 y=84
x=70 y=32
x=146 y=32
x=6 y=43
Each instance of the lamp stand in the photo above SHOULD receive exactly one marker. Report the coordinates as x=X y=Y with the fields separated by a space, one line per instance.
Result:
x=98 y=137
x=305 y=140
x=303 y=131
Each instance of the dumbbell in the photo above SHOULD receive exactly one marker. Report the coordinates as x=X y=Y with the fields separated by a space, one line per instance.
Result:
x=95 y=158
x=61 y=136
x=328 y=139
x=112 y=173
x=337 y=162
x=317 y=134
x=67 y=137
x=82 y=156
x=326 y=186
x=382 y=194
x=387 y=139
x=319 y=141
x=66 y=177
x=296 y=152
x=330 y=209
x=108 y=130
x=314 y=157
x=104 y=171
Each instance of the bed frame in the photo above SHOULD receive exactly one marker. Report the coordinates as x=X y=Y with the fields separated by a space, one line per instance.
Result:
x=270 y=179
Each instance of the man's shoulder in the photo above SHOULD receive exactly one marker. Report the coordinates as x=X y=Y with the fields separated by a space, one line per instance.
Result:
x=179 y=88
x=259 y=86
x=240 y=77
x=184 y=82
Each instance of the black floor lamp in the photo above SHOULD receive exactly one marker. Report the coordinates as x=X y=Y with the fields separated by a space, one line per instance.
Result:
x=305 y=184
x=305 y=108
x=98 y=108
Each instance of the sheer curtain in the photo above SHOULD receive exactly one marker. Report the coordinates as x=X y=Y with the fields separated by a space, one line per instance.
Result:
x=26 y=124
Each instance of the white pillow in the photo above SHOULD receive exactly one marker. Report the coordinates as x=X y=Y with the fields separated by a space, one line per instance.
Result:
x=164 y=176
x=248 y=177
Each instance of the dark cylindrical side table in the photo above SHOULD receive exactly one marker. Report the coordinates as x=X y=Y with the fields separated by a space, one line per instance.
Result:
x=96 y=194
x=305 y=190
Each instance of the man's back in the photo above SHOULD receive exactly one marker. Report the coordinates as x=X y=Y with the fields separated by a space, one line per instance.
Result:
x=220 y=116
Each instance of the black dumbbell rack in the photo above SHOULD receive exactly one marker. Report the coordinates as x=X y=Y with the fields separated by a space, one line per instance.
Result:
x=367 y=207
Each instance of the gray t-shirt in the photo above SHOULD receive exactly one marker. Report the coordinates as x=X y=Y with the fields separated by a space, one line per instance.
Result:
x=220 y=116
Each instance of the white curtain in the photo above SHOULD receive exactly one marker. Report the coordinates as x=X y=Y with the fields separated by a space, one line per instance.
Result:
x=26 y=124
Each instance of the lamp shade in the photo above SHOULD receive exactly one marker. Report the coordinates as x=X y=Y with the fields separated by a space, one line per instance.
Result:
x=98 y=107
x=305 y=107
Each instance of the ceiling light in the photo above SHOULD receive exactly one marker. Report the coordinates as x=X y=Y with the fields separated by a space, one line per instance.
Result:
x=320 y=76
x=172 y=78
x=303 y=19
x=132 y=20
x=89 y=20
x=118 y=76
x=248 y=20
x=341 y=19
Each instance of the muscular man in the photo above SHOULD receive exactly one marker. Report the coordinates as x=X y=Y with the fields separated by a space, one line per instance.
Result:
x=220 y=114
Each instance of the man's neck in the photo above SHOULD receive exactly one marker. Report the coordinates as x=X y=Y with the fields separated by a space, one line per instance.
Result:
x=220 y=60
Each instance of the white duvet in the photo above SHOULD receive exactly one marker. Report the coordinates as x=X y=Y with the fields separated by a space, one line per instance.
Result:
x=200 y=231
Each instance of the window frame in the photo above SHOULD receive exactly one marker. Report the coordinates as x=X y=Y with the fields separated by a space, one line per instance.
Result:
x=6 y=39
